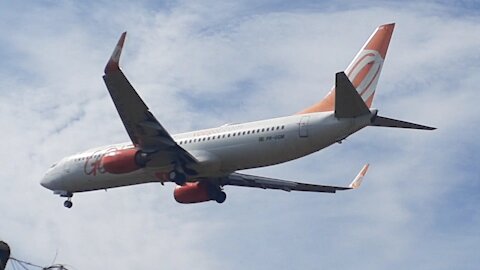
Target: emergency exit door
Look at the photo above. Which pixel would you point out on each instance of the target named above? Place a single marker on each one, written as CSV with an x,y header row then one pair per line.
x,y
303,126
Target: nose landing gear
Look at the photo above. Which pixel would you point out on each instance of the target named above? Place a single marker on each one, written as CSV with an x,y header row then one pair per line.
x,y
65,194
68,203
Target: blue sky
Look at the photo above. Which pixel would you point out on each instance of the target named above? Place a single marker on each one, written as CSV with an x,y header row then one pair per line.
x,y
204,65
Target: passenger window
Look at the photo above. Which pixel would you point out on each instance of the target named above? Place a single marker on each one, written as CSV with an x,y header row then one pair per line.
x,y
283,127
263,129
243,133
248,132
228,135
223,136
268,129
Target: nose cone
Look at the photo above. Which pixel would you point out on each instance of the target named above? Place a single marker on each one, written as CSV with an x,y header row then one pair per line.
x,y
46,182
51,177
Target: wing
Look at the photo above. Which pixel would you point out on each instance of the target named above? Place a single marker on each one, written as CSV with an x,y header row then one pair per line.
x,y
142,127
245,180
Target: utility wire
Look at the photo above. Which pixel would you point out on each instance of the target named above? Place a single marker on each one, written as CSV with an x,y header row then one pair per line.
x,y
17,262
23,263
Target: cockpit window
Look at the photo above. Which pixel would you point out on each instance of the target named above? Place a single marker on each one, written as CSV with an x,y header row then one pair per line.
x,y
53,165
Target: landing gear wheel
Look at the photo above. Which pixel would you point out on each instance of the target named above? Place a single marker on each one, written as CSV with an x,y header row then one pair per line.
x,y
221,197
178,178
68,204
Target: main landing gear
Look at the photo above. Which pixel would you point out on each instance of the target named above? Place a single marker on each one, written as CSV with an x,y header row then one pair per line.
x,y
221,197
177,177
179,173
216,193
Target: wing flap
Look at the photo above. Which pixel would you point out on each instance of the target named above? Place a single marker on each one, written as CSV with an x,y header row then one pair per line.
x,y
246,180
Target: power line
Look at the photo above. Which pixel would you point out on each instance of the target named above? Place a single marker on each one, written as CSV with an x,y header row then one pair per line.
x,y
24,264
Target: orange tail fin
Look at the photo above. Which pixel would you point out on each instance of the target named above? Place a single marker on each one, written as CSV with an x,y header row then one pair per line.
x,y
363,71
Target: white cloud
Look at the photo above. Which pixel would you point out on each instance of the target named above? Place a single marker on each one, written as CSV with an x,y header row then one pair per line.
x,y
250,62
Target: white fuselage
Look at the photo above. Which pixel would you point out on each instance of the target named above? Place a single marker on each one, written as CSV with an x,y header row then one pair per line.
x,y
220,151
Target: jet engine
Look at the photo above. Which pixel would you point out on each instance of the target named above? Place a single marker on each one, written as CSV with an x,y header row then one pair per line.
x,y
196,192
124,161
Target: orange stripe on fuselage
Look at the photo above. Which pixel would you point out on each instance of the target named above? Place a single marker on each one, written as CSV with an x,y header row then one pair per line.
x,y
327,104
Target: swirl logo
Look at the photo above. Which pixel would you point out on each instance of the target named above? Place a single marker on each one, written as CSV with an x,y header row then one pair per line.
x,y
364,73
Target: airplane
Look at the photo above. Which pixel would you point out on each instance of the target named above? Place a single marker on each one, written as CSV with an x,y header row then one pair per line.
x,y
201,163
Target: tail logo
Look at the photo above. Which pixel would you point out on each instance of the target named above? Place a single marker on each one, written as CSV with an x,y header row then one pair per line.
x,y
364,73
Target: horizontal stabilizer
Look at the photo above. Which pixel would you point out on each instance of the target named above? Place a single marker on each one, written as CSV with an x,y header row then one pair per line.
x,y
348,103
380,121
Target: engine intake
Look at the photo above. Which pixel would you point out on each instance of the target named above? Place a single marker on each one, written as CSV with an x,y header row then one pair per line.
x,y
124,161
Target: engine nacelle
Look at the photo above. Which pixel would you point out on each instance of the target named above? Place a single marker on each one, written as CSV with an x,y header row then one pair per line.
x,y
123,161
195,192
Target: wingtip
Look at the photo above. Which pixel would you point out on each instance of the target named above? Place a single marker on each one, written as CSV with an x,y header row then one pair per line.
x,y
113,62
387,25
359,178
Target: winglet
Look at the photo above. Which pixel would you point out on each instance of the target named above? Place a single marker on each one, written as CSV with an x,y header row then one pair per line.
x,y
112,64
358,180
